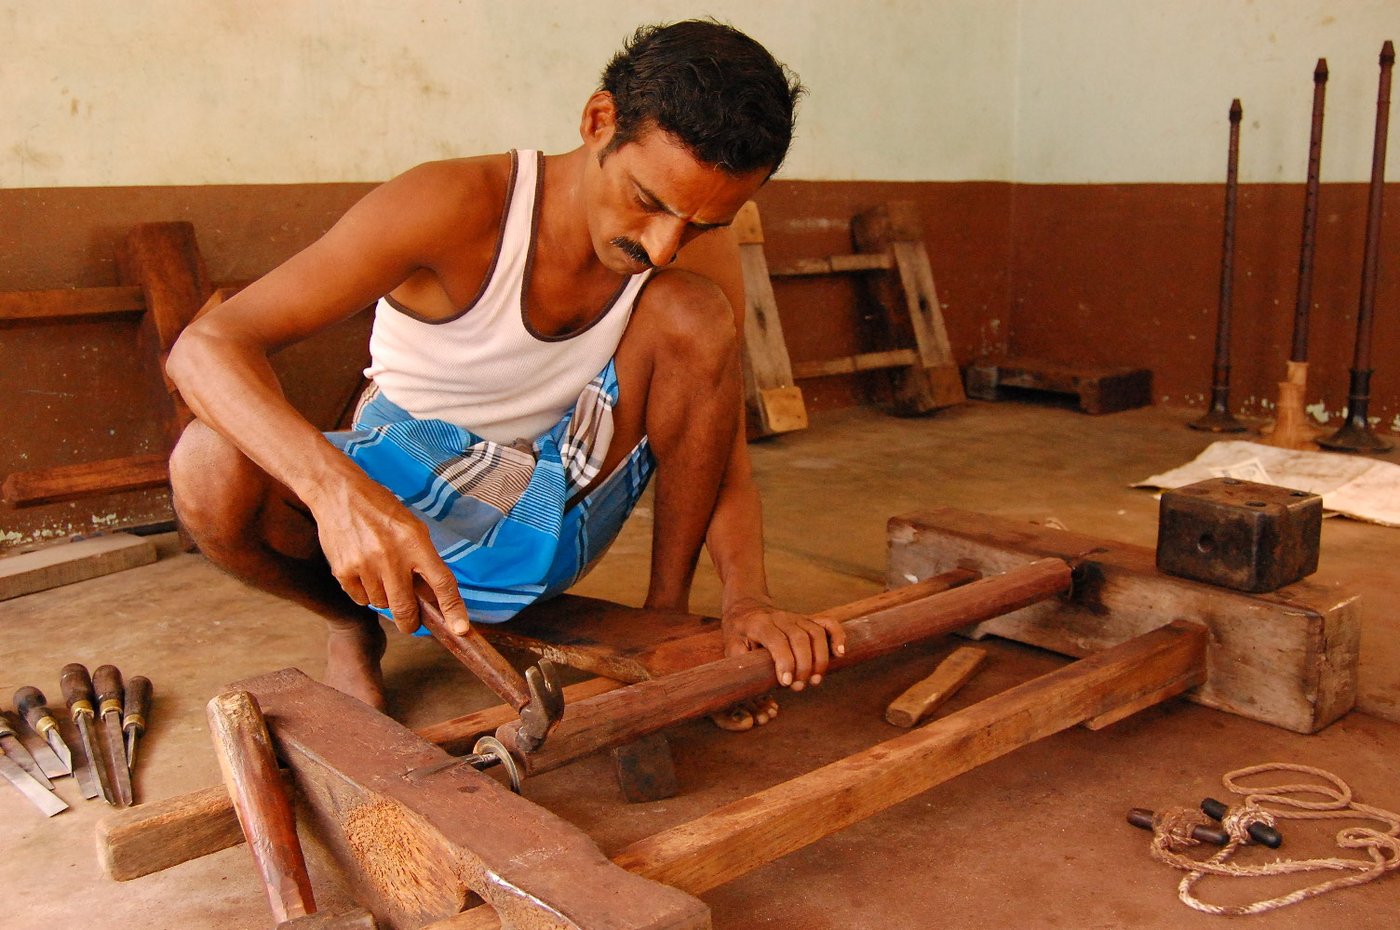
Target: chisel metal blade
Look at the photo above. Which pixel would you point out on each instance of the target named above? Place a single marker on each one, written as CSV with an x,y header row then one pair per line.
x,y
77,691
42,798
9,742
107,681
33,707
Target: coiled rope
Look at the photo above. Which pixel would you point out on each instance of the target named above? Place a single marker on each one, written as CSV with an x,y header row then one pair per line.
x,y
1172,834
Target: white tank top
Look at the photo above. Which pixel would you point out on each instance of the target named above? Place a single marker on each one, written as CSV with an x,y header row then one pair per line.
x,y
485,369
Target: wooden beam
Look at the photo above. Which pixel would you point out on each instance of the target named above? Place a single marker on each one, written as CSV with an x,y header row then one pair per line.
x,y
850,364
832,264
773,402
1288,657
73,482
159,834
739,837
622,716
416,831
71,304
71,562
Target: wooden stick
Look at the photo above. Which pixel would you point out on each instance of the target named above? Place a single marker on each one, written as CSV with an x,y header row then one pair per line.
x,y
739,837
629,713
244,748
924,697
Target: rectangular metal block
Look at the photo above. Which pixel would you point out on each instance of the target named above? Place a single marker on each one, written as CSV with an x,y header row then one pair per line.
x,y
1239,534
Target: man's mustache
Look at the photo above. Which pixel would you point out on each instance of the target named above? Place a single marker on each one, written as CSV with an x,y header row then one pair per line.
x,y
633,249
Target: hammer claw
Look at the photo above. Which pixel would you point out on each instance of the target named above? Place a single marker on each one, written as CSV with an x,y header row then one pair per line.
x,y
545,707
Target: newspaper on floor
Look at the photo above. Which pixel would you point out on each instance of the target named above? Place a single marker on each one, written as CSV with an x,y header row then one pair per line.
x,y
1356,486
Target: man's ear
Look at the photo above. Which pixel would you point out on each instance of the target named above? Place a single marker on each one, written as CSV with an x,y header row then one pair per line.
x,y
599,122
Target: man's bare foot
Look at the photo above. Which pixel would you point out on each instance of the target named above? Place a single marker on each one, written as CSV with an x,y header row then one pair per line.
x,y
745,714
353,652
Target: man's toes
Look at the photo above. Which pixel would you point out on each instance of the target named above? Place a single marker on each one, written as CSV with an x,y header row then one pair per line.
x,y
765,709
736,719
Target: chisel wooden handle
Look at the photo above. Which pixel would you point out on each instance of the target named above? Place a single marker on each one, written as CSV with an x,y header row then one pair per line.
x,y
136,704
107,682
76,685
244,748
33,706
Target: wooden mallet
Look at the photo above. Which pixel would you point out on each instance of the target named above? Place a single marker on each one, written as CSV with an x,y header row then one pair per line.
x,y
249,765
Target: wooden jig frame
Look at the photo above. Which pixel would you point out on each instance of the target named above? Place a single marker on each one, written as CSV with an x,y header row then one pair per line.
x,y
422,836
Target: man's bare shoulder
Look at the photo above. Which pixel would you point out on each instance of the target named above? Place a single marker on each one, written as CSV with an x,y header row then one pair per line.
x,y
463,195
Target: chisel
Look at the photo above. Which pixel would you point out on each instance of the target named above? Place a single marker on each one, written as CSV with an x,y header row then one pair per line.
x,y
45,800
9,742
77,691
136,706
33,707
107,681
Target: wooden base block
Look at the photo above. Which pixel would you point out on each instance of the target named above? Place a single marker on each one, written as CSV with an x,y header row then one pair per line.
x,y
783,409
645,769
67,563
1099,390
1288,657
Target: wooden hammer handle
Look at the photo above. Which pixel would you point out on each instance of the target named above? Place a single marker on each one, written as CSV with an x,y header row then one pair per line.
x,y
473,651
244,748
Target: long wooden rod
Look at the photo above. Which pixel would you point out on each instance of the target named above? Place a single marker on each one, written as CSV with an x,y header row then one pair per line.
x,y
621,716
739,837
1303,303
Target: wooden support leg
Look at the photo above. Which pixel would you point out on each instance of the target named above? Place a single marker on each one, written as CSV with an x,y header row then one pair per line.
x,y
416,831
739,837
645,769
774,402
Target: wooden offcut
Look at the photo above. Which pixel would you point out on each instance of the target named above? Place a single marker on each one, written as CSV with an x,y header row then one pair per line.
x,y
1288,657
928,694
71,562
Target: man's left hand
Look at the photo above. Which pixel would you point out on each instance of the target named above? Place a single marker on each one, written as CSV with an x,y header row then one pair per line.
x,y
801,646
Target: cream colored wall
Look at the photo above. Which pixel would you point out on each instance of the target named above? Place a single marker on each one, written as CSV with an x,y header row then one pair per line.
x,y
1041,91
1139,90
244,91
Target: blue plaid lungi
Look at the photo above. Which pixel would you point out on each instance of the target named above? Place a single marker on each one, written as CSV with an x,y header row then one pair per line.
x,y
498,513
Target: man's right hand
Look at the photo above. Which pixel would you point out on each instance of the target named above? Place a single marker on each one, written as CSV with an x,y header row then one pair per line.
x,y
376,546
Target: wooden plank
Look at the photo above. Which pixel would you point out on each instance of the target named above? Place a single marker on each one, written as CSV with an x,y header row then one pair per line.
x,y
832,264
415,832
850,364
71,304
1288,657
767,367
627,714
928,694
71,562
1098,389
738,837
73,482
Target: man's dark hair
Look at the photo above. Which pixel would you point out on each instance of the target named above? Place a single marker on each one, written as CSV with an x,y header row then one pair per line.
x,y
720,93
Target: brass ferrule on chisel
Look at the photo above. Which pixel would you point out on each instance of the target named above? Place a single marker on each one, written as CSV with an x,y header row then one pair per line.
x,y
80,708
134,720
44,725
111,706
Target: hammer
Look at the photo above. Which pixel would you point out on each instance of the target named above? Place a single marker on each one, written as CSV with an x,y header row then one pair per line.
x,y
244,748
537,695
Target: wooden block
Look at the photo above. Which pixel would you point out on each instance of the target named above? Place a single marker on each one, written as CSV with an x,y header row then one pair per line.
x,y
415,832
1098,389
70,562
926,696
1288,657
783,409
645,769
74,482
160,834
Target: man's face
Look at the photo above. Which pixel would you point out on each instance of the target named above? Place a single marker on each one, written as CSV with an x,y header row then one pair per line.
x,y
651,196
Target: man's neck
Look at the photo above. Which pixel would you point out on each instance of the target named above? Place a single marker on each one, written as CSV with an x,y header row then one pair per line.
x,y
563,228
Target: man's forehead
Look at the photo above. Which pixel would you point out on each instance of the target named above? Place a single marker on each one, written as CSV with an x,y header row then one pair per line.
x,y
668,172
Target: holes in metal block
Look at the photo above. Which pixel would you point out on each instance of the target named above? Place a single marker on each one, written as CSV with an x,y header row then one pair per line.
x,y
1206,543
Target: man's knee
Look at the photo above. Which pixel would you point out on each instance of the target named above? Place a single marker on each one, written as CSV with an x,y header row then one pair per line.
x,y
217,491
688,321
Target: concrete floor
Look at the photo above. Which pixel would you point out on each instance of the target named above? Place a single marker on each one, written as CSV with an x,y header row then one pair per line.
x,y
1034,840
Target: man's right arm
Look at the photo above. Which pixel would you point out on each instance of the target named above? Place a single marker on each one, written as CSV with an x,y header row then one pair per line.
x,y
220,364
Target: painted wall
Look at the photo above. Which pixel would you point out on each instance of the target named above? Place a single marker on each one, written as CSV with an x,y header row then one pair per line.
x,y
208,92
